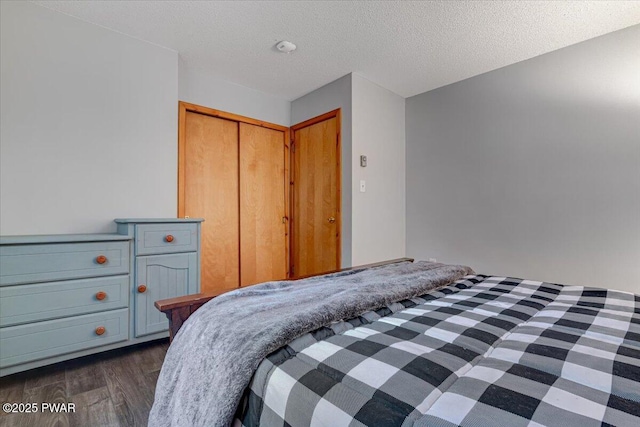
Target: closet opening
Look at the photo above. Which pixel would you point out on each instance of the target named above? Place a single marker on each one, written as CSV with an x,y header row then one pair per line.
x,y
233,171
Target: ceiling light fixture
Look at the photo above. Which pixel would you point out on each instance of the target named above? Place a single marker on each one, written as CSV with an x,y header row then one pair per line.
x,y
285,46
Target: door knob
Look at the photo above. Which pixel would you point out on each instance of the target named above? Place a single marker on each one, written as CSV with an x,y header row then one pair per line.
x,y
331,219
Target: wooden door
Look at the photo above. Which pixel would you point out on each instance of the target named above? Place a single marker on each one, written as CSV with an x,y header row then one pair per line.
x,y
209,155
263,204
316,196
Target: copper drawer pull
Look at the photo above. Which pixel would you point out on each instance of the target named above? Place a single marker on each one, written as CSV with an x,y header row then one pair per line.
x,y
101,259
100,330
101,295
142,289
168,238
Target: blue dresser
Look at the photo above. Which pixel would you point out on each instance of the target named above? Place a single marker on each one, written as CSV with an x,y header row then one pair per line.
x,y
66,296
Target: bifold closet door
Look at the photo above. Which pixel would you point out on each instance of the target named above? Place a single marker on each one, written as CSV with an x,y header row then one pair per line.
x,y
263,193
211,192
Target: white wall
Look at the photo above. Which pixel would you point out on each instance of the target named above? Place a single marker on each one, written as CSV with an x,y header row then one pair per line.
x,y
533,170
199,88
378,131
336,94
88,125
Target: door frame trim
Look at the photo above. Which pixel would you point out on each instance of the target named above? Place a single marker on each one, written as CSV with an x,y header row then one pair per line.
x,y
337,113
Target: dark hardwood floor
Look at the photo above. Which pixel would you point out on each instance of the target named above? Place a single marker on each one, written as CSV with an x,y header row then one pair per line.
x,y
114,388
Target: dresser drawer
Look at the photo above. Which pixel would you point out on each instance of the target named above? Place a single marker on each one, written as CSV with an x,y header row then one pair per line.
x,y
43,301
166,238
26,343
49,262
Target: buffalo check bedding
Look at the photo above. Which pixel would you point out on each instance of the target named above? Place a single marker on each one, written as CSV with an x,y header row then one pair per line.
x,y
482,351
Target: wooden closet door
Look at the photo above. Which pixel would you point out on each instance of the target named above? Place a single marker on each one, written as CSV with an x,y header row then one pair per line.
x,y
211,192
263,192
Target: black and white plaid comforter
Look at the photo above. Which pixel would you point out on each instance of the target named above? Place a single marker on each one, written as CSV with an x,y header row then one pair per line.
x,y
484,351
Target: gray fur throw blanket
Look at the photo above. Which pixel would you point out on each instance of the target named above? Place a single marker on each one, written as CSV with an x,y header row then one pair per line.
x,y
215,353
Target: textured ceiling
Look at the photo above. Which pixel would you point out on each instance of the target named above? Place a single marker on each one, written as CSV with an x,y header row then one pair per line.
x,y
407,47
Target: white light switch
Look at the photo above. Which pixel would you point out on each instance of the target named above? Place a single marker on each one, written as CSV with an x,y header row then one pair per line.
x,y
363,186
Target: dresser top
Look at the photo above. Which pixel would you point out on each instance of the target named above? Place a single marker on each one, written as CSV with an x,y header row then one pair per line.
x,y
156,220
61,238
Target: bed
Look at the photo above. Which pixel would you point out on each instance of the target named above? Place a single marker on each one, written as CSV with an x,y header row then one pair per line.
x,y
405,344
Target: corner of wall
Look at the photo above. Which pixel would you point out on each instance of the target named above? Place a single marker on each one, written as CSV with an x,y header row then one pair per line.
x,y
331,96
378,131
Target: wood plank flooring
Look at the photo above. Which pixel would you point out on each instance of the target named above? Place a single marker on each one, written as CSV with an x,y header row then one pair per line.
x,y
114,388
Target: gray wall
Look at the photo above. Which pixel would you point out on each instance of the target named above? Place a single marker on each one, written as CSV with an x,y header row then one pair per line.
x,y
198,87
378,231
336,94
88,124
533,170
